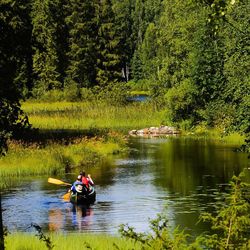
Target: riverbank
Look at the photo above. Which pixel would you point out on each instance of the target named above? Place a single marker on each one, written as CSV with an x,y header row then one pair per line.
x,y
73,136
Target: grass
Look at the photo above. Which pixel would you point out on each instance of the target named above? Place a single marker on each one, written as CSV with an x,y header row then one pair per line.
x,y
84,115
72,135
18,241
56,158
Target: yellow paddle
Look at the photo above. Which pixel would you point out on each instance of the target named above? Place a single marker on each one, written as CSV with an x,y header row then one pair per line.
x,y
58,182
66,196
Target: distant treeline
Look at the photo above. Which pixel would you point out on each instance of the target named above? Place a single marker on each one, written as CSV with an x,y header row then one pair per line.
x,y
192,56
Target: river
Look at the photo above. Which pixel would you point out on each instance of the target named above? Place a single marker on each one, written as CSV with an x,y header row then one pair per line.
x,y
177,176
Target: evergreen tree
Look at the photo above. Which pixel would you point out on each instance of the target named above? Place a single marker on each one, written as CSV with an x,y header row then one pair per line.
x,y
82,27
14,65
45,58
145,17
123,22
108,59
15,49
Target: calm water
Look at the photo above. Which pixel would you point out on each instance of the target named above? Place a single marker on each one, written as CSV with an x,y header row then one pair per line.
x,y
176,176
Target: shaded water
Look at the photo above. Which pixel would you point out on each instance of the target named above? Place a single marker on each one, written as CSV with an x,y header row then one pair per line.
x,y
177,176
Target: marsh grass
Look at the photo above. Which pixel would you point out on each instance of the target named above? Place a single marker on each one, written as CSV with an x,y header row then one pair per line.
x,y
71,135
85,115
55,158
24,241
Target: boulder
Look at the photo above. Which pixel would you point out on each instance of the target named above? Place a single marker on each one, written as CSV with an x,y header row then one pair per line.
x,y
155,131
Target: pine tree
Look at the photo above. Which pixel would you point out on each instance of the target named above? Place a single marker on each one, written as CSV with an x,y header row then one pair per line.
x,y
108,62
45,58
15,49
81,23
123,21
14,63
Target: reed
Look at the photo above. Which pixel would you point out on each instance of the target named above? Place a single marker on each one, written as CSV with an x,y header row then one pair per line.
x,y
69,241
55,158
77,116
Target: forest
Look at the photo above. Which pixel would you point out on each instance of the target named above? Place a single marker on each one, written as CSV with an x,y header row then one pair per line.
x,y
191,57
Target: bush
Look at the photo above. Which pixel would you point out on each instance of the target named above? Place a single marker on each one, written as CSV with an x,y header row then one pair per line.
x,y
180,101
113,94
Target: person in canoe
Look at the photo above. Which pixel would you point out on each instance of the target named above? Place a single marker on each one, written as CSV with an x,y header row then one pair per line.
x,y
87,181
77,185
82,190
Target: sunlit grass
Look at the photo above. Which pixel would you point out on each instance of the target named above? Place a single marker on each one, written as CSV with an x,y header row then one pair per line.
x,y
55,158
77,116
70,241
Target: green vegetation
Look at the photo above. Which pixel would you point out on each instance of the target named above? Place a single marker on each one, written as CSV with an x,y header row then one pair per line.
x,y
54,158
69,241
85,115
191,56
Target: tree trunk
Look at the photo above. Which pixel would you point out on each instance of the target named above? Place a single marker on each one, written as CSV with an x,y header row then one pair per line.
x,y
1,226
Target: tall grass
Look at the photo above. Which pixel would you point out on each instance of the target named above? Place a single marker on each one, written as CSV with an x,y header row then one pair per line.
x,y
77,116
55,158
61,146
70,241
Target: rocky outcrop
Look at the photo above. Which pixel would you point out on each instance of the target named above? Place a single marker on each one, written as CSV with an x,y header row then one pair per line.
x,y
155,131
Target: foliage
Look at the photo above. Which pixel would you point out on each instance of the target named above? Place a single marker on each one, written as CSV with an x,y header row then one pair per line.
x,y
160,238
12,122
108,63
232,221
195,53
82,25
180,101
43,237
14,67
15,49
45,57
113,94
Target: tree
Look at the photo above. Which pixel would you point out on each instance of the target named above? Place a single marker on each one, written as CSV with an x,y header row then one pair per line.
x,y
15,49
108,59
81,23
145,16
15,65
232,221
237,63
1,225
45,58
123,24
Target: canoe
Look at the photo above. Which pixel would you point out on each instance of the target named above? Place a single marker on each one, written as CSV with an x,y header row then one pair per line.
x,y
85,197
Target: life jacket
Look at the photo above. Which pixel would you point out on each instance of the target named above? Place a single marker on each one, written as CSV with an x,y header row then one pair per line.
x,y
85,181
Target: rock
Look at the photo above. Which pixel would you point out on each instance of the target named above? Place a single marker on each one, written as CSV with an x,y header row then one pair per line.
x,y
155,131
133,132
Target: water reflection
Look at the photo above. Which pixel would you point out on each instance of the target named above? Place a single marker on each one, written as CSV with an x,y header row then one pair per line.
x,y
177,176
80,218
184,164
